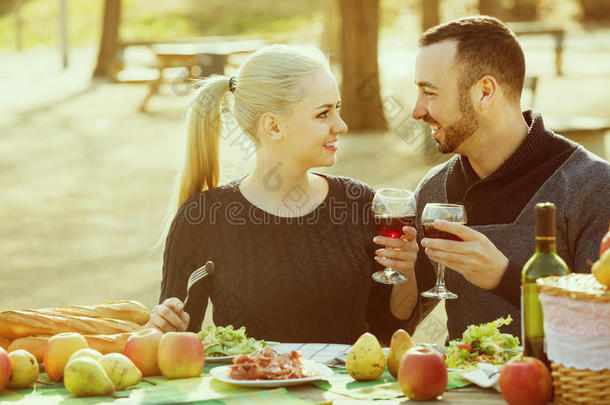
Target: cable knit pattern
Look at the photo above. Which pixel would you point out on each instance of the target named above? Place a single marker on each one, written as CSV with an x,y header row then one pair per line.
x,y
305,279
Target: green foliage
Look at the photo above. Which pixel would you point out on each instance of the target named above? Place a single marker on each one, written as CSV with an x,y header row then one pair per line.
x,y
157,20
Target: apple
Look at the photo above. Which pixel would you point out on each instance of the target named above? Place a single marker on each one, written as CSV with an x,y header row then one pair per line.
x,y
5,368
422,374
141,348
180,355
525,380
58,350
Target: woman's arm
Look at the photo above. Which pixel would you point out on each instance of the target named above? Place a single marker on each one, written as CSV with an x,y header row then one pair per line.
x,y
401,254
186,249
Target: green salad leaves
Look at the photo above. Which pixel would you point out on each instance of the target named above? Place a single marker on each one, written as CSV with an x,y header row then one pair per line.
x,y
483,343
225,341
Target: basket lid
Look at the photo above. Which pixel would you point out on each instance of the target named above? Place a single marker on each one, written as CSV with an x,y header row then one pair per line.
x,y
576,286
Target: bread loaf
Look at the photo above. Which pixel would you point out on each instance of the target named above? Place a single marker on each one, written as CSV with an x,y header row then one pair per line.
x,y
16,324
102,343
132,311
4,343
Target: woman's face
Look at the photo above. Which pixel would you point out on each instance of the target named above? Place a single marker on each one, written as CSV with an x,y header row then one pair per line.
x,y
309,136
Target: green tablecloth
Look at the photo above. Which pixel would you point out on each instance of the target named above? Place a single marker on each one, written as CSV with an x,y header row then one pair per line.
x,y
385,387
207,390
156,390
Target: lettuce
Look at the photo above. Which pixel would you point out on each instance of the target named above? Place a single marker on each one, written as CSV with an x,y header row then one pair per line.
x,y
226,341
488,345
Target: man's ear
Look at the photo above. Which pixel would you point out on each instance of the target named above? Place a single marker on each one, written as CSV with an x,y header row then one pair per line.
x,y
270,126
488,87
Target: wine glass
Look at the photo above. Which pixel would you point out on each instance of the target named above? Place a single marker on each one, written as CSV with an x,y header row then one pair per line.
x,y
446,212
392,209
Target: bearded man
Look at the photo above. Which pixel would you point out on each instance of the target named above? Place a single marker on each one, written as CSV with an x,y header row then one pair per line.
x,y
470,74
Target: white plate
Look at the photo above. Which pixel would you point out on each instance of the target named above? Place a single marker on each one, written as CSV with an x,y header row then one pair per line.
x,y
221,359
221,373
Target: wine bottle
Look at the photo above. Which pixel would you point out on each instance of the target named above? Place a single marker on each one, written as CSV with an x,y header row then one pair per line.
x,y
544,263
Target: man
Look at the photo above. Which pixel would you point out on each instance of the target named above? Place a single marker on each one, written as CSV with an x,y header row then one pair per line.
x,y
470,74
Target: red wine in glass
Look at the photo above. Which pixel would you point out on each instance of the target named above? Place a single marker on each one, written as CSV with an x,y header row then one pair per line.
x,y
391,227
430,231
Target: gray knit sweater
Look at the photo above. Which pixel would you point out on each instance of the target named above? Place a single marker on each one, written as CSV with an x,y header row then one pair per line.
x,y
579,186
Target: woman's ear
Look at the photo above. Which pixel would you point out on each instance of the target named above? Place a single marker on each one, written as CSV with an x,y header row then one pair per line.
x,y
270,126
488,86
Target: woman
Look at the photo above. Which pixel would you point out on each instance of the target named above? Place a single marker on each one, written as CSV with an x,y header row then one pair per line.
x,y
293,249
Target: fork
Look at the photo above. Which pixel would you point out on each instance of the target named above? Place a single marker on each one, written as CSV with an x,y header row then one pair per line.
x,y
197,276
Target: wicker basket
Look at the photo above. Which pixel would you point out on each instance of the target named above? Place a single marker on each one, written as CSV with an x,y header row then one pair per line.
x,y
572,386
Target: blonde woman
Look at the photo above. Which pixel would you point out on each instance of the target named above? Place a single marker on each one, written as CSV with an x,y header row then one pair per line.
x,y
293,249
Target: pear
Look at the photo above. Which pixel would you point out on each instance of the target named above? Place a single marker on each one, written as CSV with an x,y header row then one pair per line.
x,y
400,343
84,377
87,352
24,369
122,372
365,360
601,269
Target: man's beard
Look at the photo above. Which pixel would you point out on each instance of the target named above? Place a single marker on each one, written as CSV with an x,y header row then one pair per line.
x,y
462,129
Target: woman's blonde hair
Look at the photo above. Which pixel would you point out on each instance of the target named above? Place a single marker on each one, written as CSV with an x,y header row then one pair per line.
x,y
272,79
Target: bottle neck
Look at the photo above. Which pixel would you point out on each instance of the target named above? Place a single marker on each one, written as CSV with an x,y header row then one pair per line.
x,y
545,244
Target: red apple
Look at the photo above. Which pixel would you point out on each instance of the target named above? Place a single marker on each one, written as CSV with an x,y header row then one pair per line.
x,y
5,368
605,244
58,350
141,348
422,374
180,355
525,381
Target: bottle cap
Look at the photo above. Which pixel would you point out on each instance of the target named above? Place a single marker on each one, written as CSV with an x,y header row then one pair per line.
x,y
545,221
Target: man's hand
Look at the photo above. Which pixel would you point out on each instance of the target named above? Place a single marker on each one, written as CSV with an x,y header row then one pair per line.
x,y
169,316
476,258
399,253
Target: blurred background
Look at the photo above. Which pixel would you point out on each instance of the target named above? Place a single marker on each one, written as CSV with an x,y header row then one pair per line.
x,y
93,95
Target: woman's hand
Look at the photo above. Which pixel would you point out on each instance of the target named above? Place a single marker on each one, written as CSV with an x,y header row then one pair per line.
x,y
169,316
399,253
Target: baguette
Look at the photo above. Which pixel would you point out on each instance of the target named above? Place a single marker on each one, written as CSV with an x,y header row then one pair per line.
x,y
4,343
102,343
132,311
16,324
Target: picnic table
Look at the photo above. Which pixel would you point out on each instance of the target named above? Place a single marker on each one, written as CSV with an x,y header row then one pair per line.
x,y
339,389
530,28
199,59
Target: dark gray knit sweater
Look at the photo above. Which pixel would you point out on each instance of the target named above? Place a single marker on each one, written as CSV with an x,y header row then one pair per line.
x,y
546,167
305,279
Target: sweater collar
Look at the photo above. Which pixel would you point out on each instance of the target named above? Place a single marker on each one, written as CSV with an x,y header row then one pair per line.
x,y
537,136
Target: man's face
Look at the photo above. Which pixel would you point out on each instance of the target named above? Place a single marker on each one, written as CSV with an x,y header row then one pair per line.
x,y
446,108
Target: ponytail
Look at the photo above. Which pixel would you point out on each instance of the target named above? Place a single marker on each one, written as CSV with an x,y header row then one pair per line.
x,y
201,167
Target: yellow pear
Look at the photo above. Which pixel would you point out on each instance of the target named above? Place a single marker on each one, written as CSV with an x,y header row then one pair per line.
x,y
84,377
24,369
365,360
87,352
601,269
122,372
400,343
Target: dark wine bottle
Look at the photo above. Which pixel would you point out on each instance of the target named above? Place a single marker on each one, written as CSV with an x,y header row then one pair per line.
x,y
544,263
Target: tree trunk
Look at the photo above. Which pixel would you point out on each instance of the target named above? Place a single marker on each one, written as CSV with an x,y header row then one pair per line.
x,y
110,38
430,14
360,90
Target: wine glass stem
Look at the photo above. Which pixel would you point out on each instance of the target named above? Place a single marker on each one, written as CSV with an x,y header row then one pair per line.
x,y
440,275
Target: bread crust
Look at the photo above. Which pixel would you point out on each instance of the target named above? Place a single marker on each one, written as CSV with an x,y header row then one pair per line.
x,y
16,324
